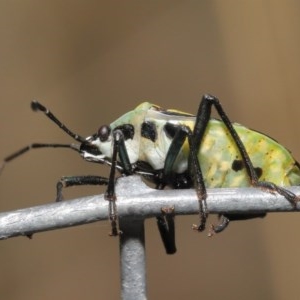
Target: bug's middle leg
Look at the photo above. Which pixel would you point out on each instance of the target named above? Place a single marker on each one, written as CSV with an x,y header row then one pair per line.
x,y
194,168
191,178
165,222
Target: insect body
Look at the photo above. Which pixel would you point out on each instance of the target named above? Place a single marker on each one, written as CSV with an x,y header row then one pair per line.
x,y
220,160
180,150
222,164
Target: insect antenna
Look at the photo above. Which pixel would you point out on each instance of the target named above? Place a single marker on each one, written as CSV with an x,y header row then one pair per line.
x,y
36,106
35,146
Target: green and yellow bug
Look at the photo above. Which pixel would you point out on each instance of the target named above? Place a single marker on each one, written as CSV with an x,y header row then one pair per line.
x,y
180,150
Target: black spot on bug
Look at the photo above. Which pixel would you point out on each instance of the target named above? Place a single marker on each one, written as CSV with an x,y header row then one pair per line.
x,y
170,130
258,171
237,165
148,131
127,130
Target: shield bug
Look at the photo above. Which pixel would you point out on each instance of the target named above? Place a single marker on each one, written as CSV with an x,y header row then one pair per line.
x,y
180,150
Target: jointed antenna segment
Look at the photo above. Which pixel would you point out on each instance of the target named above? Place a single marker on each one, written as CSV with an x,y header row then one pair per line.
x,y
35,105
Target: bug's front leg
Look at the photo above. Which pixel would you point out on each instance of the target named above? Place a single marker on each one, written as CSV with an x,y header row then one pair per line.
x,y
68,181
119,149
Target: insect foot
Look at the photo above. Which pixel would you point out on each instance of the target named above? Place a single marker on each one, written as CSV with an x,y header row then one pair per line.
x,y
114,226
273,188
113,218
219,227
203,214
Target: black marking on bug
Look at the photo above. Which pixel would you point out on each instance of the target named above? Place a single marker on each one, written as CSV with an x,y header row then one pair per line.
x,y
170,130
237,165
127,130
258,171
148,131
92,149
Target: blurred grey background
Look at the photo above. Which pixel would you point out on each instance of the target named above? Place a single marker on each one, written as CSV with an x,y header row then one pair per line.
x,y
90,62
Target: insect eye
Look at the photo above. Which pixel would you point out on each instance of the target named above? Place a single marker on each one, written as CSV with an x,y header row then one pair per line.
x,y
103,133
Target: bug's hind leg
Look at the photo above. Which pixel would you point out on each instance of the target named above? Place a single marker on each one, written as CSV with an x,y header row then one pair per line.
x,y
273,188
226,218
264,185
202,119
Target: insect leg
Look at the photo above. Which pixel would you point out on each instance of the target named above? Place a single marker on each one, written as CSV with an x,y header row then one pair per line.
x,y
203,114
168,177
36,146
165,222
67,181
194,168
119,148
226,218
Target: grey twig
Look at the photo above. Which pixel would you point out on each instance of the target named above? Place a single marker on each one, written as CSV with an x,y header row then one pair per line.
x,y
137,201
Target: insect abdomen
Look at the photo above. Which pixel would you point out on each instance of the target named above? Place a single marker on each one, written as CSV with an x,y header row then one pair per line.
x,y
222,165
